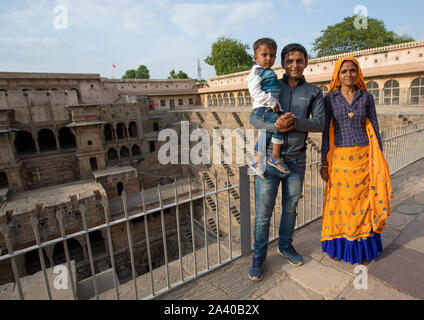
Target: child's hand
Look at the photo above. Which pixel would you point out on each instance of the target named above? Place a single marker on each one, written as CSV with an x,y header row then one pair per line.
x,y
276,109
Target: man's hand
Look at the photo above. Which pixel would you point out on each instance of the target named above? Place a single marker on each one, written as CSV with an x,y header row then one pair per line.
x,y
285,122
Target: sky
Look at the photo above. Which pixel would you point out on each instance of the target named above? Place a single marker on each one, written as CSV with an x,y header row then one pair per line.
x,y
90,36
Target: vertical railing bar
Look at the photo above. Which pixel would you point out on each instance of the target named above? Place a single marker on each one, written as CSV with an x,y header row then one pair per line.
x,y
218,244
229,217
165,249
177,212
5,231
310,185
193,241
245,216
130,242
204,223
146,230
90,254
105,205
317,182
34,222
59,217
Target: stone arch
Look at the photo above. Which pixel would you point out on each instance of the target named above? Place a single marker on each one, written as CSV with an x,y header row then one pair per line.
x,y
75,249
240,99
125,153
78,95
119,188
4,183
24,143
109,132
121,131
226,100
93,163
46,140
135,150
248,99
374,89
97,242
220,101
66,138
232,100
152,146
391,93
32,261
417,91
133,129
112,154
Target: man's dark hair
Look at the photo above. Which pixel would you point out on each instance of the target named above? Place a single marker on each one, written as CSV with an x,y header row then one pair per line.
x,y
270,43
293,47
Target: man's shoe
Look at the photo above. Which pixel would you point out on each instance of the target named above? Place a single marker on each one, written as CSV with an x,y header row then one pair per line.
x,y
256,271
291,255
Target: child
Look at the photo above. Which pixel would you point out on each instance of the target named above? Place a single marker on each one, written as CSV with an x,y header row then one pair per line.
x,y
265,91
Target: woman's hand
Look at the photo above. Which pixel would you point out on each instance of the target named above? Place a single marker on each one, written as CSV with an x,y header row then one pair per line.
x,y
324,172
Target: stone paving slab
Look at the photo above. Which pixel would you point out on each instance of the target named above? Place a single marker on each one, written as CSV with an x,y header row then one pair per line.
x,y
320,279
412,236
402,268
288,289
376,290
399,221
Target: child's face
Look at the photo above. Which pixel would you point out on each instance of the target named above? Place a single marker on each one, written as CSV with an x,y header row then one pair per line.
x,y
264,56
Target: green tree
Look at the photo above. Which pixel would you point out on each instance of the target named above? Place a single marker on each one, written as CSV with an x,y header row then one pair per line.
x,y
141,73
344,37
179,75
229,56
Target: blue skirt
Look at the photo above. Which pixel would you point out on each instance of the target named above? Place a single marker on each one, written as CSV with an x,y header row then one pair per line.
x,y
354,251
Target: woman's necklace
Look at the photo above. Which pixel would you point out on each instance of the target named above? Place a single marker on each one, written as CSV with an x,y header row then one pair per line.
x,y
350,114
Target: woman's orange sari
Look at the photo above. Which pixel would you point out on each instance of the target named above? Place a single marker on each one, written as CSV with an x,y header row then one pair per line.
x,y
356,198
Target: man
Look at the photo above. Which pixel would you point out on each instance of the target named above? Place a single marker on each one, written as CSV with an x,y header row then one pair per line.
x,y
301,99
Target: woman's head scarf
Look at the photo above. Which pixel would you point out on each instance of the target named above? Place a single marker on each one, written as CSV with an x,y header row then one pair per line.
x,y
335,82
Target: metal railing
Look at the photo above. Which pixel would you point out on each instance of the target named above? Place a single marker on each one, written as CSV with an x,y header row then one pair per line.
x,y
198,255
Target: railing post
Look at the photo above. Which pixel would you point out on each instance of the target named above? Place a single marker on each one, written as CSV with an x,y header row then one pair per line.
x,y
245,228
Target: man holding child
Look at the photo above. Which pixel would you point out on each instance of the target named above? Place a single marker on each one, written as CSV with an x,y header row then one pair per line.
x,y
285,115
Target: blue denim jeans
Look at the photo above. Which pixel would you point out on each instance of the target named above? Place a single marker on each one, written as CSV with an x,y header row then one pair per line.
x,y
268,116
266,193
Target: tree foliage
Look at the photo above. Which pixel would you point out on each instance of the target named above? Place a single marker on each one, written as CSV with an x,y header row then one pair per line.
x,y
141,73
179,75
229,56
344,37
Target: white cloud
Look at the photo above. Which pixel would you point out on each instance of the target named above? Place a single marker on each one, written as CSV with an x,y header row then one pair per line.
x,y
124,15
25,41
405,29
214,20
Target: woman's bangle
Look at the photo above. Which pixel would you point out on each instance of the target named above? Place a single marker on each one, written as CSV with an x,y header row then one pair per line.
x,y
324,166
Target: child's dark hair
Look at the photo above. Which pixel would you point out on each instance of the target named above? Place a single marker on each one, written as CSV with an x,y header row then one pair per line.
x,y
293,47
270,43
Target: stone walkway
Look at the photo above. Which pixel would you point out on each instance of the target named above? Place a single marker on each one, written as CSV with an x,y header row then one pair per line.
x,y
396,275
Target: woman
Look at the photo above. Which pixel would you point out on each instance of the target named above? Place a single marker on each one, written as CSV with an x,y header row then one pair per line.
x,y
358,186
